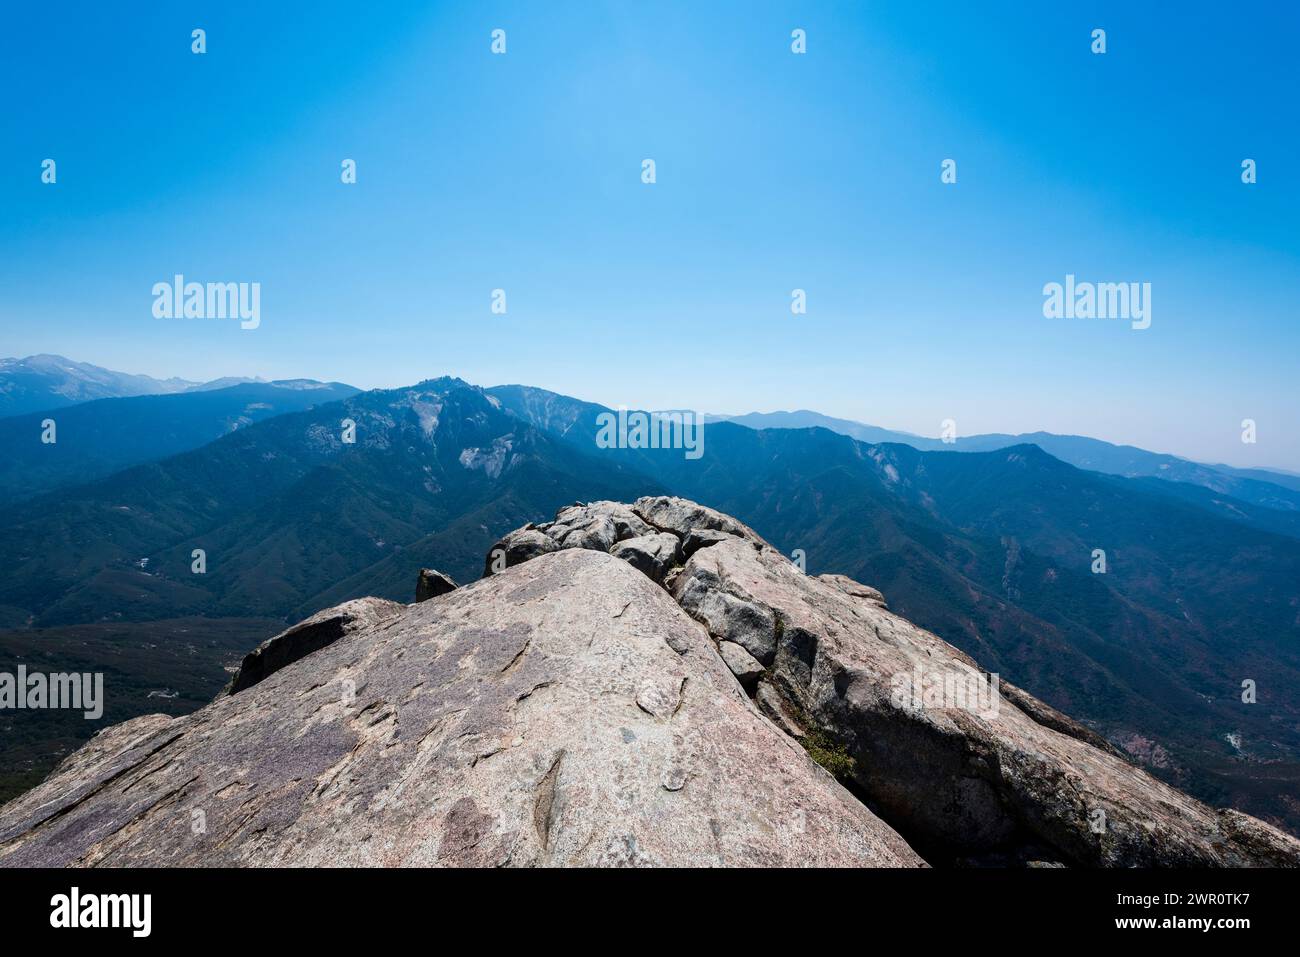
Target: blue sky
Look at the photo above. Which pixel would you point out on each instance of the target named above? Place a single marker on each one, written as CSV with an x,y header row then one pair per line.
x,y
775,172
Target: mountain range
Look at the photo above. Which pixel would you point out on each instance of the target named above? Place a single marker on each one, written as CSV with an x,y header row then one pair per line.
x,y
46,382
99,437
50,382
993,551
1270,488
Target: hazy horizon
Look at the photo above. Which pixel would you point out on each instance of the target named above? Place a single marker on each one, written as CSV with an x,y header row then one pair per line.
x,y
775,171
657,407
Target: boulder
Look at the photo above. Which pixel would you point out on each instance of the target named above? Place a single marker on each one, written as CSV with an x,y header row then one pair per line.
x,y
741,663
680,516
597,525
320,630
726,609
517,547
432,583
651,555
698,538
654,534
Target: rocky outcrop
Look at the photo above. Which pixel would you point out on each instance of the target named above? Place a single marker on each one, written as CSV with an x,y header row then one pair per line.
x,y
682,517
432,583
654,534
967,770
969,767
610,695
563,712
319,631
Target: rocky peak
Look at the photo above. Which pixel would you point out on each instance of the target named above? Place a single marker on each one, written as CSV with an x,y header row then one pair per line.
x,y
969,767
643,684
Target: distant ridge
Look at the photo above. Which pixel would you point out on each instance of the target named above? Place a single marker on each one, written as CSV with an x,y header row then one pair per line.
x,y
49,382
42,382
1269,488
103,436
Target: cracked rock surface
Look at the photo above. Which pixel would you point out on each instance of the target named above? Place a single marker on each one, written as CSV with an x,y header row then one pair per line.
x,y
564,712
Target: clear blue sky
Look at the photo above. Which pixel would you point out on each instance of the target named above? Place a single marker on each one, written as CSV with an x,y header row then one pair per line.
x,y
775,171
